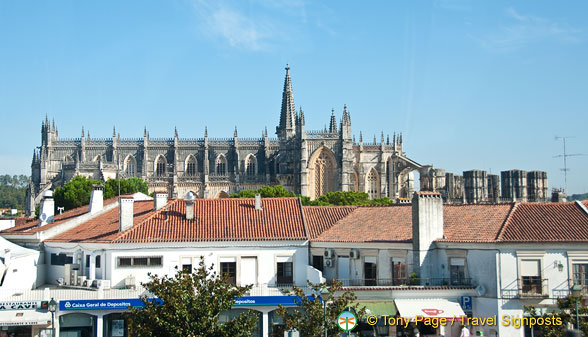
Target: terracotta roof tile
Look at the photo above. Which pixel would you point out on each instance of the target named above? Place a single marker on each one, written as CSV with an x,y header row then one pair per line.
x,y
30,227
546,222
372,224
474,223
320,218
214,220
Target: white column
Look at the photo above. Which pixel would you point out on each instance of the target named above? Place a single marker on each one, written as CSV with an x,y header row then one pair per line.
x,y
92,266
99,325
265,323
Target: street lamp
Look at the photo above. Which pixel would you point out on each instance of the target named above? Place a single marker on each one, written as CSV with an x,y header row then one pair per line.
x,y
322,293
576,292
52,307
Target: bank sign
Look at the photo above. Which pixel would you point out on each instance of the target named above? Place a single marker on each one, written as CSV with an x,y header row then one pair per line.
x,y
23,305
116,304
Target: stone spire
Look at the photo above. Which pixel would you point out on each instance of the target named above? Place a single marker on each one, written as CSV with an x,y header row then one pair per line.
x,y
333,123
301,116
113,132
287,128
82,132
175,132
235,132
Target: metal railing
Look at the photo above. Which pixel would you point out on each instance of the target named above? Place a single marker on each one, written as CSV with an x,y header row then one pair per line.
x,y
533,286
425,282
42,294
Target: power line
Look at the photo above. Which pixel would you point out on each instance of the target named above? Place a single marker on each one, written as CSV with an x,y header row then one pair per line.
x,y
565,156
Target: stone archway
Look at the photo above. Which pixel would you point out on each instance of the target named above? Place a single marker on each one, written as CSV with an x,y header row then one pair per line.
x,y
323,168
221,195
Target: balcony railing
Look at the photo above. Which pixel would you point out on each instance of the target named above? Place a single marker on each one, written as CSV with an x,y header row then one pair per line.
x,y
533,286
426,282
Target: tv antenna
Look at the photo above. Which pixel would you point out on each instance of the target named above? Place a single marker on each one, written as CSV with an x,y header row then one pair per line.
x,y
565,156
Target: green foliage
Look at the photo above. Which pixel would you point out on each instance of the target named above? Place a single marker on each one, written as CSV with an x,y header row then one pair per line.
x,y
192,303
12,191
583,196
567,314
338,198
309,320
77,191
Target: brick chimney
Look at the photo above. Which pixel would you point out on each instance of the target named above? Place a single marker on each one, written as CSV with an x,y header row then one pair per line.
x,y
126,213
160,200
96,199
189,200
427,226
47,208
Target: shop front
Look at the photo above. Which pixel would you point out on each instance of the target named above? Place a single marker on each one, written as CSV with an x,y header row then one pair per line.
x,y
24,319
429,317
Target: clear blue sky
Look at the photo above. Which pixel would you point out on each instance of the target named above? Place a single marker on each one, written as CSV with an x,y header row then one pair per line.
x,y
470,84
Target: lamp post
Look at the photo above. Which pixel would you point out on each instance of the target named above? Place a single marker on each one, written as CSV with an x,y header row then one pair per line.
x,y
576,292
321,293
52,307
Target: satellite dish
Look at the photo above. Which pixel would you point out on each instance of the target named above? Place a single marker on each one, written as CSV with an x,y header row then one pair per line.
x,y
43,217
481,290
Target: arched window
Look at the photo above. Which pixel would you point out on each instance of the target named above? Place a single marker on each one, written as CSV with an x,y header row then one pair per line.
x,y
323,169
160,164
373,184
354,181
251,165
130,166
191,166
221,165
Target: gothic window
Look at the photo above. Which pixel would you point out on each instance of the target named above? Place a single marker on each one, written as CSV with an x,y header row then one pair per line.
x,y
68,159
221,165
130,166
373,184
160,166
191,166
323,173
250,165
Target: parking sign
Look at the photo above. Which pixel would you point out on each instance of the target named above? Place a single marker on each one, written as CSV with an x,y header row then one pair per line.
x,y
466,303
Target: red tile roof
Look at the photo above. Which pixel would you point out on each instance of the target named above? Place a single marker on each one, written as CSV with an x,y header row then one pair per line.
x,y
30,226
548,222
474,223
214,220
372,224
320,218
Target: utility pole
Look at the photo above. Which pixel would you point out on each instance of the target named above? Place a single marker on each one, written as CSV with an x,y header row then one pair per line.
x,y
565,156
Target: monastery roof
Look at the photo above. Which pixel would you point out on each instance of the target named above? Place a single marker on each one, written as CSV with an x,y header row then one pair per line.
x,y
214,220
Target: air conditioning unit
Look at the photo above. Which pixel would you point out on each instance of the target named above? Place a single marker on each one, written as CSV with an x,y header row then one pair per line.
x,y
130,282
81,280
329,253
354,254
103,284
70,274
329,263
88,283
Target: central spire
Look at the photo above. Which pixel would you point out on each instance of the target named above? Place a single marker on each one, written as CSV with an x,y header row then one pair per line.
x,y
287,128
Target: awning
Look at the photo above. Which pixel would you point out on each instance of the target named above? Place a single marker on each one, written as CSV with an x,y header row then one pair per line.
x,y
432,308
25,317
378,308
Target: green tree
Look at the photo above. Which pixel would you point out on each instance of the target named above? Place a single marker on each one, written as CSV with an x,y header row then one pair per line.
x,y
13,190
192,303
277,191
309,319
567,314
77,191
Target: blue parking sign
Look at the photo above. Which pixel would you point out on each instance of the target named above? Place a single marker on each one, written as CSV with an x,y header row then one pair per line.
x,y
466,303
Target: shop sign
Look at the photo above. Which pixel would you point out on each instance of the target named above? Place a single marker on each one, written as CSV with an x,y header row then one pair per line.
x,y
23,305
256,301
109,304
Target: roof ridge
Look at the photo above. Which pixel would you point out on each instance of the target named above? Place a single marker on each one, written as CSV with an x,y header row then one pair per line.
x,y
133,228
506,221
581,205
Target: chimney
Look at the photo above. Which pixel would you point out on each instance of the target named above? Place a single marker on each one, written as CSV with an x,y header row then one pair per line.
x,y
96,199
258,202
427,226
189,200
47,208
160,200
125,211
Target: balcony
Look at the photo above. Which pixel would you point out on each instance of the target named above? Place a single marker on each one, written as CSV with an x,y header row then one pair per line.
x,y
532,287
404,282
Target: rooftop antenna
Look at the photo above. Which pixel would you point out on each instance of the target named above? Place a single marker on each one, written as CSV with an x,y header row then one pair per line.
x,y
565,156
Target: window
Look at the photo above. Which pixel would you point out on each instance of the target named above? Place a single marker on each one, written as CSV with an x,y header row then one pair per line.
x,y
457,270
229,269
138,261
250,166
187,264
97,261
87,261
221,165
531,277
61,259
399,272
373,183
318,262
580,275
130,165
284,270
191,166
160,166
370,274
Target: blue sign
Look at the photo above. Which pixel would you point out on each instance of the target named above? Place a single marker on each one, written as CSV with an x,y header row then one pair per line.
x,y
109,304
256,301
466,303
